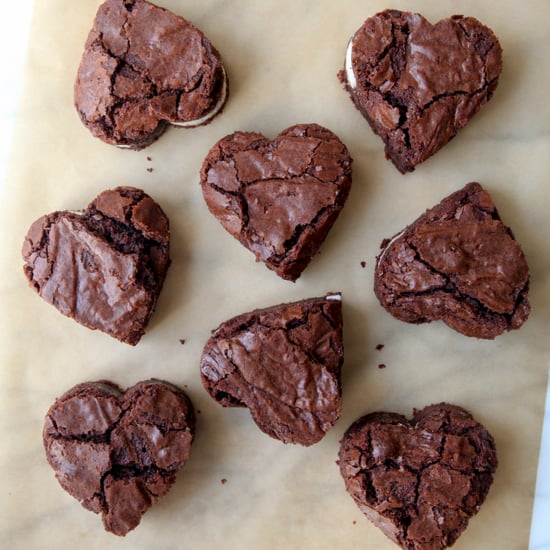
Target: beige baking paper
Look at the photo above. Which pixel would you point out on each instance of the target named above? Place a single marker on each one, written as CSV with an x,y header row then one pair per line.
x,y
282,57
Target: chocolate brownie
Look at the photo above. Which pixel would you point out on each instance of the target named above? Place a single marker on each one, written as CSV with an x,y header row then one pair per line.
x,y
103,267
417,84
142,68
419,481
459,263
278,198
118,452
283,363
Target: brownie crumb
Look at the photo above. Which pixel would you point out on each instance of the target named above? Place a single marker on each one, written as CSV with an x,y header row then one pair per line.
x,y
182,341
381,366
378,346
363,264
149,159
223,481
149,170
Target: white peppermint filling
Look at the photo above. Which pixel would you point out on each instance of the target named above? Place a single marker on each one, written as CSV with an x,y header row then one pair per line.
x,y
350,75
335,297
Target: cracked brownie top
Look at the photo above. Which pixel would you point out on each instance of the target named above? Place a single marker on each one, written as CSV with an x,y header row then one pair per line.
x,y
278,197
459,263
416,83
419,481
283,363
117,452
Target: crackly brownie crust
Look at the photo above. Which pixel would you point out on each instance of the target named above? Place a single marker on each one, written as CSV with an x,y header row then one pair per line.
x,y
417,84
278,198
419,481
103,267
118,452
143,67
458,263
284,364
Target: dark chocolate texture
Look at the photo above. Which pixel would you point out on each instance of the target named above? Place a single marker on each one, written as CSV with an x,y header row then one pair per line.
x,y
418,84
118,452
284,364
103,267
458,263
419,481
278,198
143,67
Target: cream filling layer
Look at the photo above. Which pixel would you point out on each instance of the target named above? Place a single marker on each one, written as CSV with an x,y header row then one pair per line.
x,y
350,75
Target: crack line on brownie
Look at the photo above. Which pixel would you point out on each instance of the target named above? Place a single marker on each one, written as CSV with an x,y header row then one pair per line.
x,y
306,321
403,513
116,470
122,60
394,99
295,344
450,288
300,228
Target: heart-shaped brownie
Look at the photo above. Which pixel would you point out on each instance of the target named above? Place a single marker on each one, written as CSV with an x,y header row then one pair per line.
x,y
118,452
283,363
459,263
278,198
417,84
103,267
419,481
143,67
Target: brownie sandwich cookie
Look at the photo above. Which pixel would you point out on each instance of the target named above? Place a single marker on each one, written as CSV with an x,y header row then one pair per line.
x,y
420,480
144,67
284,364
104,266
418,84
278,197
117,452
457,263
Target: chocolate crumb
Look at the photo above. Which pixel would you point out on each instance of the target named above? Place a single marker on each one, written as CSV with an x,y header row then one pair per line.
x,y
223,481
363,264
182,341
378,347
381,366
149,170
149,159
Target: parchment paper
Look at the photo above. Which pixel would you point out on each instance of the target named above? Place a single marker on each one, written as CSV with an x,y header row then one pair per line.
x,y
282,57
